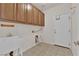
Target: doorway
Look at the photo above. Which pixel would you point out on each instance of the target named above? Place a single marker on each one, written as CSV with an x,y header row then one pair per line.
x,y
62,30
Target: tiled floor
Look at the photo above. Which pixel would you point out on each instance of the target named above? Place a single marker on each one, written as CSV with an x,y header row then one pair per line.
x,y
44,49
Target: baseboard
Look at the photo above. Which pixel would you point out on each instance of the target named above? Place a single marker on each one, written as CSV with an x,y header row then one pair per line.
x,y
61,46
57,45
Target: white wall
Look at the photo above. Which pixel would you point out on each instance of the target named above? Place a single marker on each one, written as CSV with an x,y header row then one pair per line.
x,y
75,28
23,31
48,32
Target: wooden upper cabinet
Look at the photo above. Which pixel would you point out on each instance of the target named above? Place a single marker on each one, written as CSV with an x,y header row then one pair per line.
x,y
20,12
8,11
29,14
41,19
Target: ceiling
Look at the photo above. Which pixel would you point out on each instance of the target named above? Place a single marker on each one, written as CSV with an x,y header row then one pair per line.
x,y
45,6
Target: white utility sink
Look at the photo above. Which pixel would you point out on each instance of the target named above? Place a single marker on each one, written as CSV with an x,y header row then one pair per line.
x,y
8,44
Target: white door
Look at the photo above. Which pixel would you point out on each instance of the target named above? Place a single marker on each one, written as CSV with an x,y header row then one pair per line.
x,y
62,30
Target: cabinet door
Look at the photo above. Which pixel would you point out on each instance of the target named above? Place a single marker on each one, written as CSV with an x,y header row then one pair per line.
x,y
36,16
41,19
20,12
29,14
0,10
7,11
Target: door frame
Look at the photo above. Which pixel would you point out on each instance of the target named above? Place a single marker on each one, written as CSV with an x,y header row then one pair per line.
x,y
70,21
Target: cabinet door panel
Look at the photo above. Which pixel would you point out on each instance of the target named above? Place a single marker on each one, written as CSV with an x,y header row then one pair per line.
x,y
7,11
41,19
36,16
0,10
20,12
29,14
